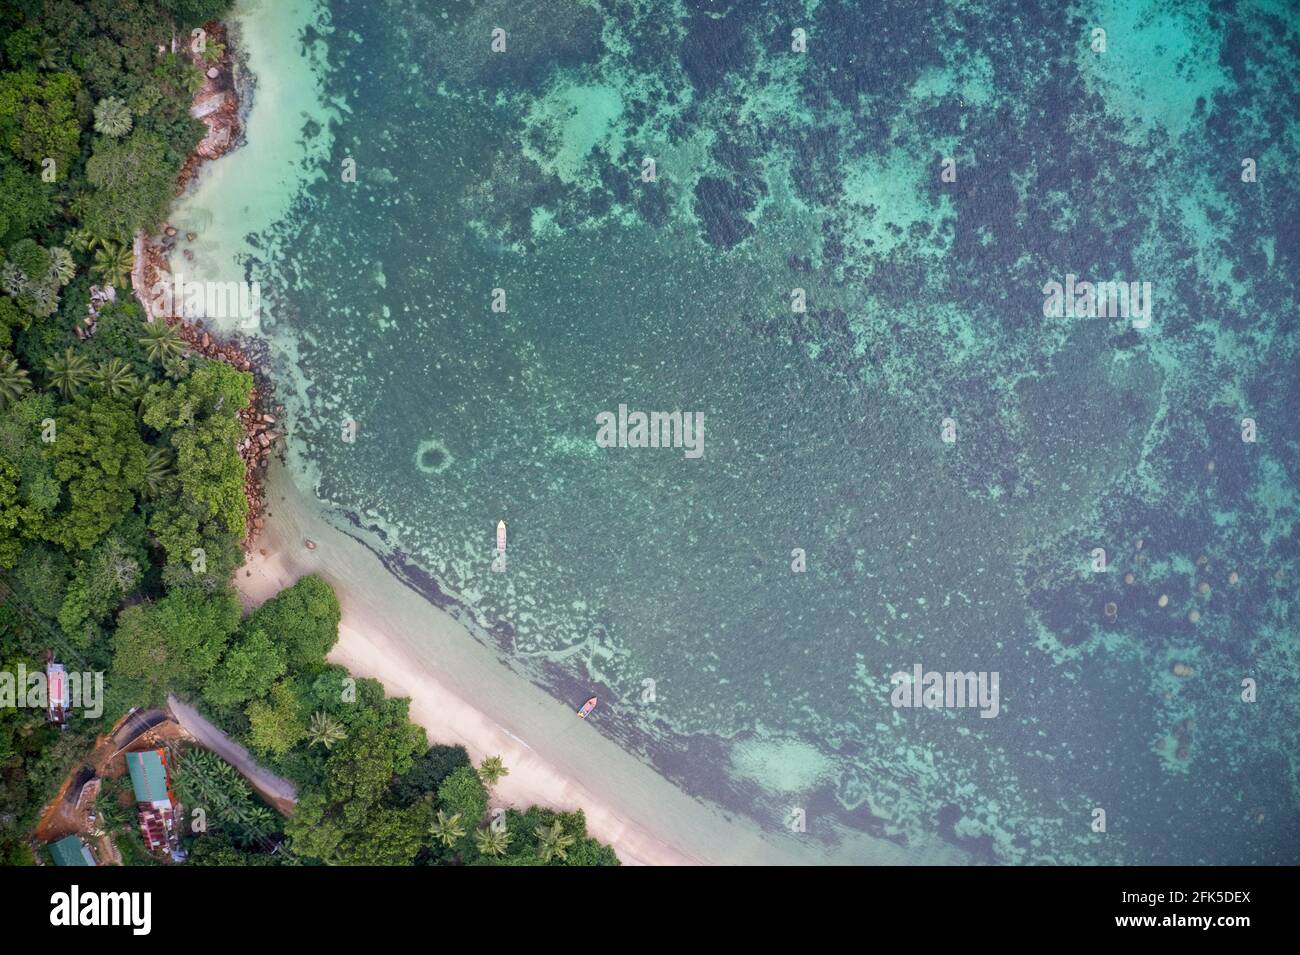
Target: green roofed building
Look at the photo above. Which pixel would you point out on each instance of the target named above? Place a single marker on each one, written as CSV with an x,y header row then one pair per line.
x,y
70,850
148,771
149,778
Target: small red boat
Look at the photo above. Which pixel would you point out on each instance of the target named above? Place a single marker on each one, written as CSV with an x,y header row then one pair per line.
x,y
587,708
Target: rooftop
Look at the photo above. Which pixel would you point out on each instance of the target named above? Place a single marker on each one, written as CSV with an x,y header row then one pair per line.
x,y
148,776
70,850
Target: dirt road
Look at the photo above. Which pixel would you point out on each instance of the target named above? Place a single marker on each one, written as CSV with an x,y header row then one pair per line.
x,y
276,790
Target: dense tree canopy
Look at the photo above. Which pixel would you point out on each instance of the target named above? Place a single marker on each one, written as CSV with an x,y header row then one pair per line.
x,y
100,457
196,419
82,478
172,643
122,501
335,822
303,620
24,203
38,117
249,669
133,184
277,723
11,514
102,578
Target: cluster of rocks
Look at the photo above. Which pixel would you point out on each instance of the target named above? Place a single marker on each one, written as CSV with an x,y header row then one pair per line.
x,y
256,447
150,266
201,342
216,104
170,238
99,297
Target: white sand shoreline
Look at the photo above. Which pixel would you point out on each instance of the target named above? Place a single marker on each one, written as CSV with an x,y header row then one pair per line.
x,y
368,649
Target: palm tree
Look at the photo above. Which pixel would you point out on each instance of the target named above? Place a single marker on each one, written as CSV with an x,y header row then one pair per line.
x,y
68,372
326,730
139,388
83,240
162,343
112,118
157,469
50,55
79,207
61,265
555,843
13,279
204,778
114,376
448,831
492,841
14,382
176,368
192,80
112,817
253,823
40,300
491,770
113,263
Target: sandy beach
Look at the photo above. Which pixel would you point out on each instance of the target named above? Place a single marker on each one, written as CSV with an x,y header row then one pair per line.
x,y
368,649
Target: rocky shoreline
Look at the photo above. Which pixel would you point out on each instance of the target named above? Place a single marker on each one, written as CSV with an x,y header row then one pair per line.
x,y
261,437
218,105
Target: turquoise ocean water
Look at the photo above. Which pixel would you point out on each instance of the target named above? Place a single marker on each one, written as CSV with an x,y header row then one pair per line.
x,y
919,171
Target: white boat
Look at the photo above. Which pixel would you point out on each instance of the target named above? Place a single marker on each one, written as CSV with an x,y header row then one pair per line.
x,y
501,537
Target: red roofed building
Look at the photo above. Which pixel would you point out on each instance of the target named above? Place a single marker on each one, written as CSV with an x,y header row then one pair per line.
x,y
56,680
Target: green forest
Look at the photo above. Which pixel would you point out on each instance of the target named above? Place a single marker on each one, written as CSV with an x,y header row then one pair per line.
x,y
122,504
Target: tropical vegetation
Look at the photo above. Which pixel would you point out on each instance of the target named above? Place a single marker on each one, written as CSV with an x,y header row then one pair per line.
x,y
123,510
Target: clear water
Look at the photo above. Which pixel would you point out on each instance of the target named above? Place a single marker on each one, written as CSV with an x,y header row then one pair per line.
x,y
776,170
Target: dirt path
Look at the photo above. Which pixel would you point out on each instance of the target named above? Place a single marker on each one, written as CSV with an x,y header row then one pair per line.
x,y
276,790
